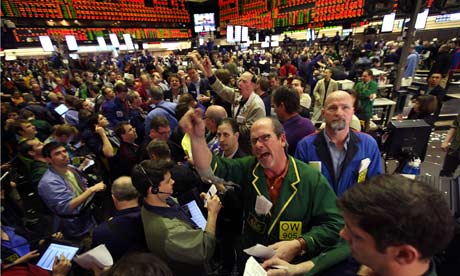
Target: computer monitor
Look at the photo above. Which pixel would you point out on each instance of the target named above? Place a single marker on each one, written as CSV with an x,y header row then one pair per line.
x,y
407,137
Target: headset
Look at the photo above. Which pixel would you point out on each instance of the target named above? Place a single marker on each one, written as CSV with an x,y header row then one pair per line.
x,y
155,189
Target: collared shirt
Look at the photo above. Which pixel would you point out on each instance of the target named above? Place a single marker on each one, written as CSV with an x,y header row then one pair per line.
x,y
173,211
337,156
274,184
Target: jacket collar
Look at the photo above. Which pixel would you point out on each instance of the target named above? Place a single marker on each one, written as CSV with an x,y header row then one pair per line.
x,y
288,188
322,150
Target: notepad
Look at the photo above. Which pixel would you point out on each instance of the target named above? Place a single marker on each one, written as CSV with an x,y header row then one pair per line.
x,y
196,214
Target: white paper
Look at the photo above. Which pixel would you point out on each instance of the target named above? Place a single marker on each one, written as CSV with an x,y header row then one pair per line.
x,y
211,192
260,251
99,256
263,205
253,268
364,164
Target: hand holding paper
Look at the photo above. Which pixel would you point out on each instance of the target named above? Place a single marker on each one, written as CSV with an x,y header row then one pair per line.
x,y
98,256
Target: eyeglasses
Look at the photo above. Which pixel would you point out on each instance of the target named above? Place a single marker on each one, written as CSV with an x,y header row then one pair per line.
x,y
262,138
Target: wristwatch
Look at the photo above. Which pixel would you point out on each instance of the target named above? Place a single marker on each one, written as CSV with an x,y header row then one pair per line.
x,y
303,245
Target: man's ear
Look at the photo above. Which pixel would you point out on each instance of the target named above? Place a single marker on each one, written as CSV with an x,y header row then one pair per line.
x,y
404,254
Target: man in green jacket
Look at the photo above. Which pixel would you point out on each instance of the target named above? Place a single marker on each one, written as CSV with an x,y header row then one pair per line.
x,y
303,219
367,91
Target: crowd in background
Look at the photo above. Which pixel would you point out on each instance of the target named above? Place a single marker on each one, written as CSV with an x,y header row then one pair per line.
x,y
116,107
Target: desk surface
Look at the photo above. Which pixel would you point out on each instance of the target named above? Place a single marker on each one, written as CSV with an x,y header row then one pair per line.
x,y
384,86
383,102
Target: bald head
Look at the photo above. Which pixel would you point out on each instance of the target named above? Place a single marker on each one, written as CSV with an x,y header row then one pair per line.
x,y
339,94
214,114
337,111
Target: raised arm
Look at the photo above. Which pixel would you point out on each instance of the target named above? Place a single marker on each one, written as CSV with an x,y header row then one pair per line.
x,y
192,123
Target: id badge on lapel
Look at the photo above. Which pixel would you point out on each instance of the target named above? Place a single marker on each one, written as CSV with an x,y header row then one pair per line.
x,y
290,230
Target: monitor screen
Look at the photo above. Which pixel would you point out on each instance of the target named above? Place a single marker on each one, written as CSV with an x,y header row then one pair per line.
x,y
204,22
244,34
71,43
114,40
102,43
230,37
311,34
46,43
388,22
346,32
237,33
421,19
128,41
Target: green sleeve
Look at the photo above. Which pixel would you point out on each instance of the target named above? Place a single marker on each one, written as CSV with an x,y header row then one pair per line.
x,y
193,246
236,170
329,258
326,219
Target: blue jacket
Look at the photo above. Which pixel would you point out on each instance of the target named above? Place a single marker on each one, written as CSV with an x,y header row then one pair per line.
x,y
57,194
361,146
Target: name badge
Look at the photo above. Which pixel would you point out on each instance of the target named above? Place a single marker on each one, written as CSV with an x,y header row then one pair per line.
x,y
316,165
240,119
256,224
290,230
119,114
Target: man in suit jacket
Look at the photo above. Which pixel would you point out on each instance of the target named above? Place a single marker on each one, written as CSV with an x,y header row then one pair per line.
x,y
199,87
228,134
322,89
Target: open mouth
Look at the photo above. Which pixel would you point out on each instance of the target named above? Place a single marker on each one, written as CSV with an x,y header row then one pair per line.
x,y
264,155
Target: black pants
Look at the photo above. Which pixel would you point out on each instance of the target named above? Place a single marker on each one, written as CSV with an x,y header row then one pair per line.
x,y
451,162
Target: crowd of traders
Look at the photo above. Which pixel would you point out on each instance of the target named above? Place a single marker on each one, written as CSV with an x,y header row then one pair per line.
x,y
140,126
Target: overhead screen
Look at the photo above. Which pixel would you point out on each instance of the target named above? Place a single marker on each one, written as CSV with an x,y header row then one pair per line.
x,y
71,43
230,36
128,41
46,43
388,22
114,40
237,33
244,34
204,22
421,19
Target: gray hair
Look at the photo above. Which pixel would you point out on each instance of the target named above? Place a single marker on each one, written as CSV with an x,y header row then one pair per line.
x,y
123,189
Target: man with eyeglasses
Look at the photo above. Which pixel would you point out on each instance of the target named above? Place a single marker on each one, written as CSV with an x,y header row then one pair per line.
x,y
160,130
303,219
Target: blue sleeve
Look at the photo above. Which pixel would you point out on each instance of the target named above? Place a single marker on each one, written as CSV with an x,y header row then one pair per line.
x,y
301,151
375,168
147,124
57,196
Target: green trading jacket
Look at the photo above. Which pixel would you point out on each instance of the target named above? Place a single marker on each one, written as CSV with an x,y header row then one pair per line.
x,y
306,204
365,90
